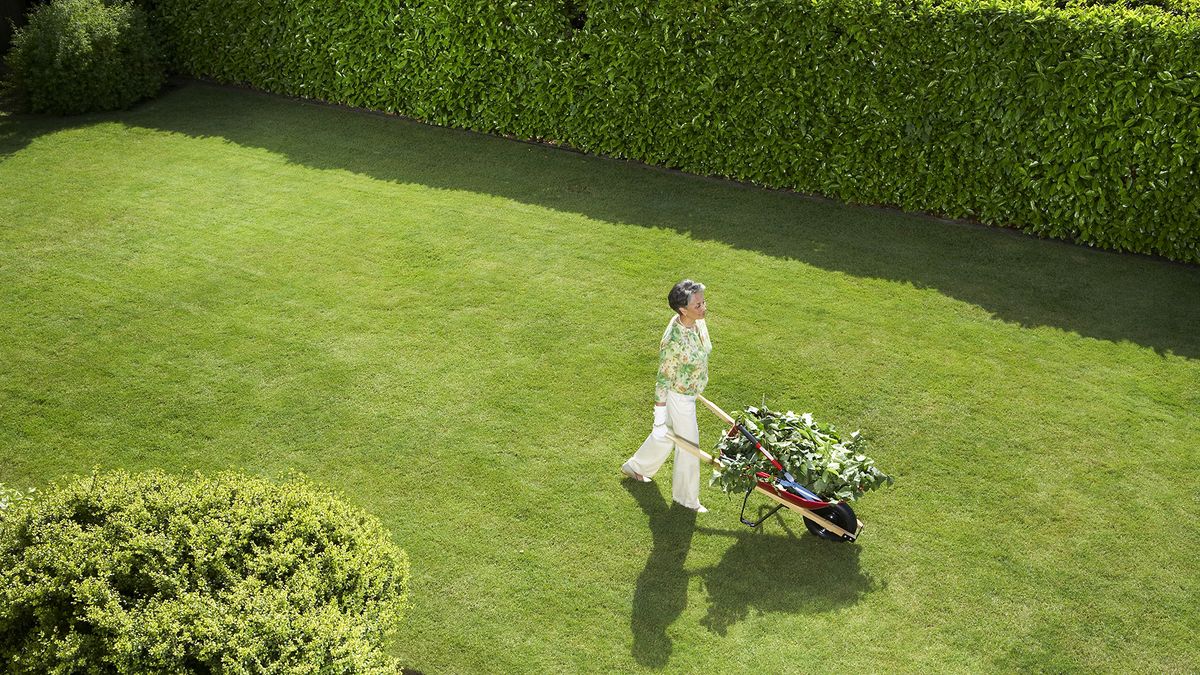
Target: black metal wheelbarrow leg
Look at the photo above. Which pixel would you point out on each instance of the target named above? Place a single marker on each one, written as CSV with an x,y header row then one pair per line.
x,y
760,521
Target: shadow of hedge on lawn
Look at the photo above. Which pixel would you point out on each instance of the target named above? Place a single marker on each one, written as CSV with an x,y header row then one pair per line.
x,y
1017,278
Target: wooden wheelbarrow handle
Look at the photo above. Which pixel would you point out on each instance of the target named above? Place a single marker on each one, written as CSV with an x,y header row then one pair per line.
x,y
717,410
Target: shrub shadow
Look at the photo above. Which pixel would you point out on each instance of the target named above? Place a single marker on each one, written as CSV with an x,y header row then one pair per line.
x,y
18,130
1116,297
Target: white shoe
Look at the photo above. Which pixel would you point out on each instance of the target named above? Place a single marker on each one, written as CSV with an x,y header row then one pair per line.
x,y
700,509
628,471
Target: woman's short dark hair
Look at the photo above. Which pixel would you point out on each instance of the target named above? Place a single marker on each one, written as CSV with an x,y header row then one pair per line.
x,y
682,293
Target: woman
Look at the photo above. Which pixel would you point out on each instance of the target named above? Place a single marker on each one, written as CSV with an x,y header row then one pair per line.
x,y
682,373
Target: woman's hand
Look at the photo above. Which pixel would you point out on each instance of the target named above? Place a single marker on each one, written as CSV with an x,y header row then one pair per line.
x,y
659,432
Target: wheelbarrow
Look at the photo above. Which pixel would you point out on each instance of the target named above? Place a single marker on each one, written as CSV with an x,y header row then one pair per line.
x,y
834,521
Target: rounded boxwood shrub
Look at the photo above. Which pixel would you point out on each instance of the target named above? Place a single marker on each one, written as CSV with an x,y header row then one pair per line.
x,y
150,573
78,56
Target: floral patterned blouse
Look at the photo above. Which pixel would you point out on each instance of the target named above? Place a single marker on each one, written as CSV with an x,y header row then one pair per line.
x,y
682,360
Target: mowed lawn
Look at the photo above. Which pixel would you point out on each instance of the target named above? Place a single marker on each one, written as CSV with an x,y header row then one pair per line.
x,y
459,333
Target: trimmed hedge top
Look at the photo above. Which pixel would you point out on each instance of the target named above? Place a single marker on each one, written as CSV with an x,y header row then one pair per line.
x,y
1079,123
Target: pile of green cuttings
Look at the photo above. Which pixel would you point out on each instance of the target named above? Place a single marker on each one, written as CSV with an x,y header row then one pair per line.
x,y
816,455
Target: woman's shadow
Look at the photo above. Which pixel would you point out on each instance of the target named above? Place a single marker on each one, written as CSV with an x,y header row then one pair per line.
x,y
764,572
661,592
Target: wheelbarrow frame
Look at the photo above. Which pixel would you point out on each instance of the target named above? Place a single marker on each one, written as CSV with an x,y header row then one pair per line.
x,y
784,499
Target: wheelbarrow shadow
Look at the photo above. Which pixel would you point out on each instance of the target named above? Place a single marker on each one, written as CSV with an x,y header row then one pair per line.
x,y
762,572
780,573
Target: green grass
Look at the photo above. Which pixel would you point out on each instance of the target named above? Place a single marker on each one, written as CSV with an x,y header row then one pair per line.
x,y
459,334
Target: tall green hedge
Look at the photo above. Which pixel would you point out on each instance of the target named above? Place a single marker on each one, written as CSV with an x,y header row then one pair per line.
x,y
1079,123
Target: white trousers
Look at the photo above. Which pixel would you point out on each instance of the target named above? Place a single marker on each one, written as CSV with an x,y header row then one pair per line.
x,y
685,480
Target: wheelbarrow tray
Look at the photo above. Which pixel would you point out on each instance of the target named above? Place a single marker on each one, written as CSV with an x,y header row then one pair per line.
x,y
800,504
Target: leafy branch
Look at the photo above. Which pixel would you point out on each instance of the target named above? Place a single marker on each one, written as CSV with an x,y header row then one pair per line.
x,y
816,455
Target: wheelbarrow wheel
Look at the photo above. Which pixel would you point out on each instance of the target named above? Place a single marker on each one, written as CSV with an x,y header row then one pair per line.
x,y
839,514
